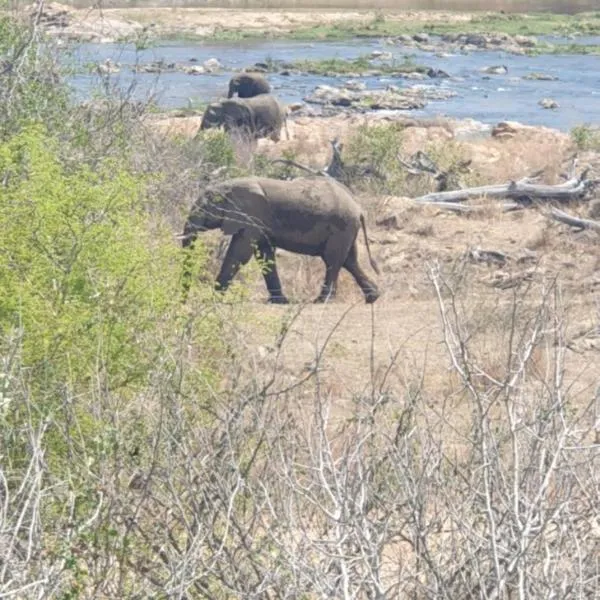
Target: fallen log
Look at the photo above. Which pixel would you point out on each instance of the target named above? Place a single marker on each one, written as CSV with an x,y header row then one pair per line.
x,y
451,206
574,189
465,208
563,217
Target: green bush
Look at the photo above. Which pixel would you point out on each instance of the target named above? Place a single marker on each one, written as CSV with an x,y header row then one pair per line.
x,y
379,146
84,273
217,148
586,137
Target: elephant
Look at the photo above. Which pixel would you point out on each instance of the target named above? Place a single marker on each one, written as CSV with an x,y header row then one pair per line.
x,y
260,116
317,216
247,85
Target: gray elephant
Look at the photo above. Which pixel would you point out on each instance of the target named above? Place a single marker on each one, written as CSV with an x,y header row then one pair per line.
x,y
314,216
260,116
247,85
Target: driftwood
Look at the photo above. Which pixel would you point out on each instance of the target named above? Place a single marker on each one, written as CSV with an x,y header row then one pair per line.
x,y
465,208
563,217
524,189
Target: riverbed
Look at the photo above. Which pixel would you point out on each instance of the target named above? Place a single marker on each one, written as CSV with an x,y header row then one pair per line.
x,y
488,98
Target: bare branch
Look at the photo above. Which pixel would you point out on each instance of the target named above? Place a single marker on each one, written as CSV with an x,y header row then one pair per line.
x,y
563,217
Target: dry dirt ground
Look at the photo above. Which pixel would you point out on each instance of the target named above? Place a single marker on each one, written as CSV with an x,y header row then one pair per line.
x,y
408,242
110,24
207,21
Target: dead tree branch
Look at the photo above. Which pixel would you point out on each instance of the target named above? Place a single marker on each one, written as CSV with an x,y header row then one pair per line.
x,y
293,163
563,217
574,189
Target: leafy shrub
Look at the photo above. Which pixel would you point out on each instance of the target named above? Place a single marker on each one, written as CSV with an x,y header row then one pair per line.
x,y
586,137
83,273
378,146
217,148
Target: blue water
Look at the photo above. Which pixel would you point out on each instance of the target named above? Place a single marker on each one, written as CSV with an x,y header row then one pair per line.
x,y
486,98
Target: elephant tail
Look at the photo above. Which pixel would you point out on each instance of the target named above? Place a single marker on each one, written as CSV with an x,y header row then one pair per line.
x,y
285,122
371,260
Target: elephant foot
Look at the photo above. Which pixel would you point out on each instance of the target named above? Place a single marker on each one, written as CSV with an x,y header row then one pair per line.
x,y
278,300
371,296
322,299
220,288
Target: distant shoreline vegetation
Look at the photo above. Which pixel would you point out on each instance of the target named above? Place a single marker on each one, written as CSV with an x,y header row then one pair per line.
x,y
512,6
378,24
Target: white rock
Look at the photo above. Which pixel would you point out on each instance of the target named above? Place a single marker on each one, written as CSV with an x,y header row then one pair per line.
x,y
352,84
194,70
379,54
548,103
495,70
212,64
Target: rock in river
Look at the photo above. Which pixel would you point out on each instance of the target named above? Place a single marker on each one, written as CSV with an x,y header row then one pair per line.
x,y
548,103
495,70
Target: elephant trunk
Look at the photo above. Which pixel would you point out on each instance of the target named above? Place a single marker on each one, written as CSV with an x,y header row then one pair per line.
x,y
188,237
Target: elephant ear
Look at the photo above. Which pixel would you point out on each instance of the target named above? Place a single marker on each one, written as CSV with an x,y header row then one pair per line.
x,y
245,204
234,83
238,114
211,115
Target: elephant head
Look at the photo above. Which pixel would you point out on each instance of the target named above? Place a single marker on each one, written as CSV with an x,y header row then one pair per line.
x,y
230,114
247,85
259,116
220,208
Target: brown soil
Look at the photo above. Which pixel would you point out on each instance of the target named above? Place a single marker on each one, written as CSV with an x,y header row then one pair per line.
x,y
406,318
206,21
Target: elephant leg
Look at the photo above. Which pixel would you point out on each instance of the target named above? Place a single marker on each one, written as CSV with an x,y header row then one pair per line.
x,y
238,254
329,288
369,289
266,253
334,256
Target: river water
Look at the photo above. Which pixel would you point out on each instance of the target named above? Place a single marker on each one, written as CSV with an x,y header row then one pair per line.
x,y
486,98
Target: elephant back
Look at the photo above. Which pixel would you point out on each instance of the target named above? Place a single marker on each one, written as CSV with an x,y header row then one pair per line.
x,y
248,85
268,113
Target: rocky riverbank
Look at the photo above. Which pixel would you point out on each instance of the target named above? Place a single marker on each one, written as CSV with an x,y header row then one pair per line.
x,y
438,31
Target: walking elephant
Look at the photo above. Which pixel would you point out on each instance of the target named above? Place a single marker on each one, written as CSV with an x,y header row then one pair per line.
x,y
247,85
259,116
313,216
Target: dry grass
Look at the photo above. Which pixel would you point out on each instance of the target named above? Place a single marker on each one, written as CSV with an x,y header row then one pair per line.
x,y
440,443
370,415
424,233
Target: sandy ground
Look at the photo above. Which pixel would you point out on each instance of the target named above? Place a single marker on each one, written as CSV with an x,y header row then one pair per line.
x,y
185,19
405,321
107,24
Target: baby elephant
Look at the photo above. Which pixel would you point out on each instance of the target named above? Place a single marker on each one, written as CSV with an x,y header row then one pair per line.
x,y
260,116
247,85
314,216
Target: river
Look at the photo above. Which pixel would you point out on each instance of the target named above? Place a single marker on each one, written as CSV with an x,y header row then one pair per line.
x,y
486,98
